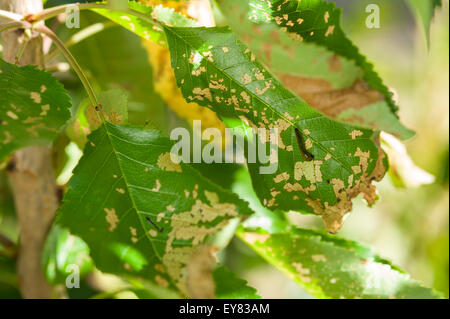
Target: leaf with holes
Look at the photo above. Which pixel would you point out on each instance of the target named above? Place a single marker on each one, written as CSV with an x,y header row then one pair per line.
x,y
330,267
311,55
139,212
33,107
214,69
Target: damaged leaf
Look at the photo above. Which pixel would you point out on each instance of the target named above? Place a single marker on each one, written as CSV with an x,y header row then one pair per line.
x,y
311,56
330,267
114,106
143,20
200,280
217,71
33,107
142,213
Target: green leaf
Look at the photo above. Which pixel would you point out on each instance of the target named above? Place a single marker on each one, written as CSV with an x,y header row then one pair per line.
x,y
141,213
424,11
324,29
126,66
111,64
118,66
229,286
113,105
303,43
33,107
143,20
61,251
280,51
271,221
330,267
216,70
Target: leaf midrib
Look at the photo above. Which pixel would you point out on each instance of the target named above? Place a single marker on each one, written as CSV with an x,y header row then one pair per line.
x,y
116,155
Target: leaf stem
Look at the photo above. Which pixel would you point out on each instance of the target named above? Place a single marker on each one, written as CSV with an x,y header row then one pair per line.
x,y
14,25
46,14
55,11
23,46
73,62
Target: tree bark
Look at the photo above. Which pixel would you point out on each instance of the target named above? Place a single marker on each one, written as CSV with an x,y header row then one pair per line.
x,y
30,171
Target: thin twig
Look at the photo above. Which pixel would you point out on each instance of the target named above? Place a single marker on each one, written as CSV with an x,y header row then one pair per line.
x,y
58,67
73,62
23,46
55,11
14,25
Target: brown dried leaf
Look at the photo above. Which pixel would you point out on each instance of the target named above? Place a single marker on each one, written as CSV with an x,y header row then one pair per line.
x,y
319,94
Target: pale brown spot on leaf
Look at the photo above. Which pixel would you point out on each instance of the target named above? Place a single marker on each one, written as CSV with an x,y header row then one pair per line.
x,y
36,97
356,133
333,215
255,237
111,218
161,281
334,63
200,282
165,163
12,115
281,177
330,30
157,187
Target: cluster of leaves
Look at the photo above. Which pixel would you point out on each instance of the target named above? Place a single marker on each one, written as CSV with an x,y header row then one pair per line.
x,y
138,214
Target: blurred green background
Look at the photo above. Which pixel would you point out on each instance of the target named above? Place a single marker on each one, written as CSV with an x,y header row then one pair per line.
x,y
409,226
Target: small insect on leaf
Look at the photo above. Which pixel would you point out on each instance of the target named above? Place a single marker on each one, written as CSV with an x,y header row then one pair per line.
x,y
307,156
151,222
